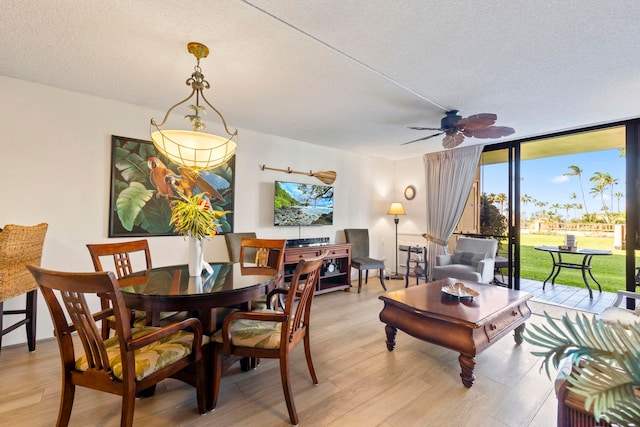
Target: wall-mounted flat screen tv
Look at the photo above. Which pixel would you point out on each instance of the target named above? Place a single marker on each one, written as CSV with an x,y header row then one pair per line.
x,y
302,204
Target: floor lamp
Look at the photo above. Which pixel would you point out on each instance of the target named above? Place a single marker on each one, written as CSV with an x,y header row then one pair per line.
x,y
396,209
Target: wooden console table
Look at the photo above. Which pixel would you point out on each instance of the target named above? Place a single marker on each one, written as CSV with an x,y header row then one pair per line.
x,y
336,269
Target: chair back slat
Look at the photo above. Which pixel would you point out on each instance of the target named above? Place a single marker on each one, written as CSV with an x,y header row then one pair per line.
x,y
302,289
88,332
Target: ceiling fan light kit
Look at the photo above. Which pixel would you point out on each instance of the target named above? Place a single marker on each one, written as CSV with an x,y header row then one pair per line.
x,y
456,128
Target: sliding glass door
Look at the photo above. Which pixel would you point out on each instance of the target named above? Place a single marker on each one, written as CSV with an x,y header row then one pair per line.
x,y
500,208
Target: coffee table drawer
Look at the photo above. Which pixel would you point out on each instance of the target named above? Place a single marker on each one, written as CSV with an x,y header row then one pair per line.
x,y
496,326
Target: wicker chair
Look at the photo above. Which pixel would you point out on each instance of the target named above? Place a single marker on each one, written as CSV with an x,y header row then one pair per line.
x,y
20,245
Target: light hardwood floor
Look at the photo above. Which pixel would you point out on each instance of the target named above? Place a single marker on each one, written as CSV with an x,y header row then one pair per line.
x,y
361,383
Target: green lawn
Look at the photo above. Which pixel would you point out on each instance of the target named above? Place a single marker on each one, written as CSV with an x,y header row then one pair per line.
x,y
536,265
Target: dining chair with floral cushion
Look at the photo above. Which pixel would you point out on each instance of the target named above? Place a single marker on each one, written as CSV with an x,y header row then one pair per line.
x,y
272,334
20,245
263,256
121,257
132,361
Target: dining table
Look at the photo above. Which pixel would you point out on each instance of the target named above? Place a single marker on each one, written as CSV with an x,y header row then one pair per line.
x,y
171,289
557,263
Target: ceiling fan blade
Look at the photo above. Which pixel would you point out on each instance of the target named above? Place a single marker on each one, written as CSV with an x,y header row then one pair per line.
x,y
452,140
419,128
422,139
477,121
492,132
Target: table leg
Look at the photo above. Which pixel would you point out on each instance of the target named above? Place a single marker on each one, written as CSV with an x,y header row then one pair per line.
x,y
585,266
391,337
467,363
518,334
558,265
553,270
591,274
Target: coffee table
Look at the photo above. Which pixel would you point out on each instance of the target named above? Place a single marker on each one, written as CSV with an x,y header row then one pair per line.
x,y
465,325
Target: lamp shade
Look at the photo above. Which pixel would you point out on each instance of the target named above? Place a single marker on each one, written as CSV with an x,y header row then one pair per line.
x,y
396,209
192,149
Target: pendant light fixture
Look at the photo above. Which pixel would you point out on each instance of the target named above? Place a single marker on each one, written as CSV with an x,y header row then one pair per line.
x,y
195,149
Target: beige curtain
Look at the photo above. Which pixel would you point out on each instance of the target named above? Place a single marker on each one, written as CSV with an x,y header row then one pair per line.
x,y
448,176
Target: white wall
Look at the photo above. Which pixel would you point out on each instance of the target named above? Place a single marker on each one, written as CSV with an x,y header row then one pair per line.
x,y
56,152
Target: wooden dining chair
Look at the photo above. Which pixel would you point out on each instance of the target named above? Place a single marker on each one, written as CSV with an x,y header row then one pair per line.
x,y
272,334
132,361
20,245
121,257
263,256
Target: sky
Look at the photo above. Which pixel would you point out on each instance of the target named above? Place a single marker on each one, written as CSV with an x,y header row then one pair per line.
x,y
544,180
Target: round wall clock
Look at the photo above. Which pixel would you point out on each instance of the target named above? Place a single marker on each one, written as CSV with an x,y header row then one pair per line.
x,y
410,192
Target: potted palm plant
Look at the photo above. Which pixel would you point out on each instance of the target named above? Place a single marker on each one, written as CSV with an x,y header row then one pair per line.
x,y
193,217
605,361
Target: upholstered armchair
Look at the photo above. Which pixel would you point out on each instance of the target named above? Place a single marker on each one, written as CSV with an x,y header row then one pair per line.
x,y
617,311
234,241
473,259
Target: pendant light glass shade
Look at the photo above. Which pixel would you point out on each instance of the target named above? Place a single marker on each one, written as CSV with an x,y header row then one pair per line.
x,y
194,148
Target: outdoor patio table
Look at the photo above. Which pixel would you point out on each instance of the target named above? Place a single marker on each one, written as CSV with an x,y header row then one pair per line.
x,y
584,266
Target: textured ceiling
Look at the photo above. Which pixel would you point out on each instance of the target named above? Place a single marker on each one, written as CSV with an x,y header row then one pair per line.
x,y
347,74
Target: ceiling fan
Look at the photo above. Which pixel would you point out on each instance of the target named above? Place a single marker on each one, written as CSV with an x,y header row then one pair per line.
x,y
456,128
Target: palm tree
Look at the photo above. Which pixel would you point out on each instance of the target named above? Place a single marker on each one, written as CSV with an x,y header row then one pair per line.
x,y
541,205
618,195
555,208
604,180
525,198
577,206
566,207
598,190
501,198
576,171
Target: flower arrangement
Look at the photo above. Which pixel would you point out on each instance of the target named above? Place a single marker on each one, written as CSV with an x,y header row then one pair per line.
x,y
194,216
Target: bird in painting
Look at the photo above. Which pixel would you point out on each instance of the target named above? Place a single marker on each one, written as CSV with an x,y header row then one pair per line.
x,y
159,172
190,182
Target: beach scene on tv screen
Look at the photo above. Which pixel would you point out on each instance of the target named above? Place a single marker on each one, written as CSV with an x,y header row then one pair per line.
x,y
302,204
